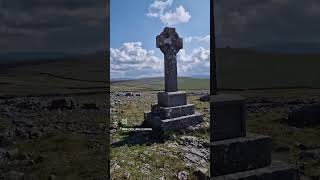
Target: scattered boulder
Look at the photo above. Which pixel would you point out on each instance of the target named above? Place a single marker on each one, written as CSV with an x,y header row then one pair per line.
x,y
64,103
306,116
313,154
58,104
127,175
129,94
115,167
191,141
114,125
145,169
89,106
183,175
201,173
205,98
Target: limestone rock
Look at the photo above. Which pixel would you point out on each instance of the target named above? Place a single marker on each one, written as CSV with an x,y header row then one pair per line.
x,y
183,175
306,116
205,98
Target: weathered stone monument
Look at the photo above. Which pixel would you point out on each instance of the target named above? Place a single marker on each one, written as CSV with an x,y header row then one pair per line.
x,y
172,111
236,155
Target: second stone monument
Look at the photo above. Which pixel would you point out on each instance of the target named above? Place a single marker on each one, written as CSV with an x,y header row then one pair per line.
x,y
172,111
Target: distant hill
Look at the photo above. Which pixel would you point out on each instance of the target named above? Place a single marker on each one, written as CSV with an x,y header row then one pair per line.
x,y
200,76
32,56
120,79
157,83
236,69
290,48
85,74
192,76
247,68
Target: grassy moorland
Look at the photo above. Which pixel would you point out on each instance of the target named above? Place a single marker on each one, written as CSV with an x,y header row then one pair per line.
x,y
273,84
267,114
138,155
39,142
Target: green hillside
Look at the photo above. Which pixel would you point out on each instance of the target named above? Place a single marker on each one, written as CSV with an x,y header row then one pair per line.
x,y
240,68
63,76
236,69
184,83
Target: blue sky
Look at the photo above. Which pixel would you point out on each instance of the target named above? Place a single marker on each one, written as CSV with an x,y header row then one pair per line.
x,y
135,24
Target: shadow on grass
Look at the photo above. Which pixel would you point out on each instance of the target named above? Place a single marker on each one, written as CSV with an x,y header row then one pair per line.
x,y
141,137
134,138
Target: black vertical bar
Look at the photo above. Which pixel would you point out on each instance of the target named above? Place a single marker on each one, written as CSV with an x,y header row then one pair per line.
x,y
213,63
107,62
213,77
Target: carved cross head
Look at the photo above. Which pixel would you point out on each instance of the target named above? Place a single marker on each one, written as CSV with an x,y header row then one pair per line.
x,y
169,41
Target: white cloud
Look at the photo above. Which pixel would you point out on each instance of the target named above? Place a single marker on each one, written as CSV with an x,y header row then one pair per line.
x,y
180,15
205,39
195,63
157,8
131,60
161,9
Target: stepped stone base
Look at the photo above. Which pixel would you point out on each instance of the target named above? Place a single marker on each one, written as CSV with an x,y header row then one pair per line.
x,y
276,171
240,154
172,112
173,124
170,99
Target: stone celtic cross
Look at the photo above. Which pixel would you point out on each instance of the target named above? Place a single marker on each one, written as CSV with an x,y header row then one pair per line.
x,y
170,43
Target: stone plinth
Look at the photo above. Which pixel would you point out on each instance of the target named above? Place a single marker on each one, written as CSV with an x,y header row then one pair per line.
x,y
276,171
228,117
173,124
170,99
240,154
172,112
236,155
